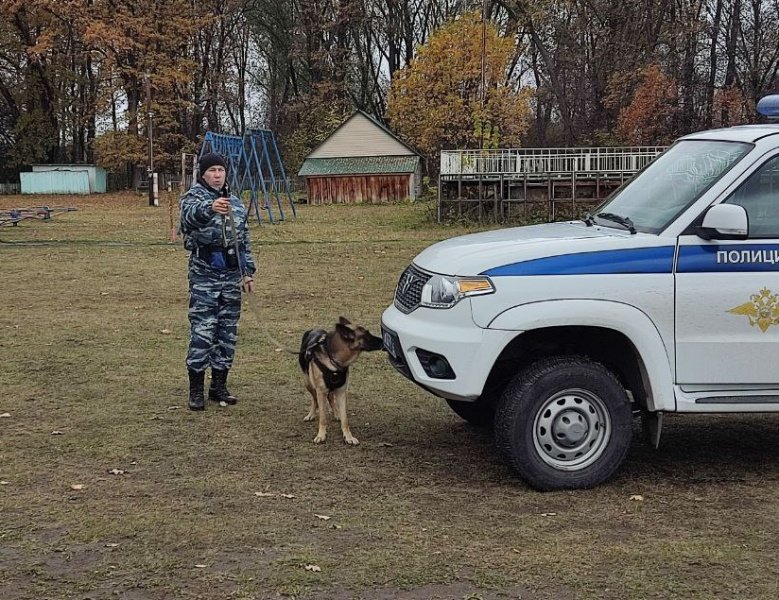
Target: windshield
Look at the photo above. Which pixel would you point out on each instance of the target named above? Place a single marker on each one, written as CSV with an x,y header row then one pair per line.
x,y
670,184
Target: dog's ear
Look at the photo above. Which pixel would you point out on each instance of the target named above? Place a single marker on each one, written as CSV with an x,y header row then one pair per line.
x,y
347,333
344,321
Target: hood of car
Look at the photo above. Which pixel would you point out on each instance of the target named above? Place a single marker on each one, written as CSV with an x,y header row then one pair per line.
x,y
483,253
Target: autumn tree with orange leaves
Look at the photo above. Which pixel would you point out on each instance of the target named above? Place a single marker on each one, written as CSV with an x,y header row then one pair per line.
x,y
649,117
436,102
135,41
75,62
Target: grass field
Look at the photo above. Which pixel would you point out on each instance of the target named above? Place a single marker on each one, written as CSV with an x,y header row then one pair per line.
x,y
110,488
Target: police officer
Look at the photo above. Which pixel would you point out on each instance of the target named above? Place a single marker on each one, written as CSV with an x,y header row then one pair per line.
x,y
213,223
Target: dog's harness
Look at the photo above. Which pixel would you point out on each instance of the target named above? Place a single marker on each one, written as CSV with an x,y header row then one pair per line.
x,y
334,378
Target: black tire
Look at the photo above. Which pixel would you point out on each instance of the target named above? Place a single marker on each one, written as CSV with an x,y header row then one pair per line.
x,y
480,413
564,423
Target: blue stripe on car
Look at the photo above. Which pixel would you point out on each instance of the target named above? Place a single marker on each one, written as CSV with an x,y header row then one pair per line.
x,y
604,262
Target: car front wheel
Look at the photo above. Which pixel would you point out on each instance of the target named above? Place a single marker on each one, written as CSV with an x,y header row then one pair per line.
x,y
564,423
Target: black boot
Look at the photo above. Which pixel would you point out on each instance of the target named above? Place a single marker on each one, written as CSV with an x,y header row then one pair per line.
x,y
218,391
197,399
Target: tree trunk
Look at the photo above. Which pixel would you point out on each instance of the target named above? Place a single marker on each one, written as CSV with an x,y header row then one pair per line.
x,y
715,29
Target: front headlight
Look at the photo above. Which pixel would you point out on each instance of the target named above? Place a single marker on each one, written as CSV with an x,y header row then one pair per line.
x,y
441,291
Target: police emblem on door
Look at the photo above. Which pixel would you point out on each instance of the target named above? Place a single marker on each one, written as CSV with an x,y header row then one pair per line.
x,y
762,310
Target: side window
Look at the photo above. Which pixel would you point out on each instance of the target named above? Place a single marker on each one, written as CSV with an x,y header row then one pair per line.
x,y
759,195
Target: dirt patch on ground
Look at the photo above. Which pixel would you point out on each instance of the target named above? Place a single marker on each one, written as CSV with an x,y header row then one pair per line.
x,y
452,591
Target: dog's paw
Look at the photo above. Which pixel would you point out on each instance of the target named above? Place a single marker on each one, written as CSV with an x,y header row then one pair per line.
x,y
320,438
309,417
351,440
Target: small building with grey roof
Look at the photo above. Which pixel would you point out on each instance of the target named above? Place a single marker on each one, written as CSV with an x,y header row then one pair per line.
x,y
362,161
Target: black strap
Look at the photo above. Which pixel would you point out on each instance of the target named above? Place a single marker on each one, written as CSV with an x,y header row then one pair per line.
x,y
215,248
205,252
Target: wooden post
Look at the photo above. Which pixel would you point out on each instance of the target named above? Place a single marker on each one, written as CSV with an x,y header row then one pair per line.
x,y
550,198
460,200
573,193
495,199
480,198
438,216
499,200
183,183
524,200
507,201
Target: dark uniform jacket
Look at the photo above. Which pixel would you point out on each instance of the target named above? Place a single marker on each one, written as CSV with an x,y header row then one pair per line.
x,y
202,228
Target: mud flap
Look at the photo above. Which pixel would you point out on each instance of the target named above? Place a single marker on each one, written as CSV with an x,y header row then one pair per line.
x,y
652,426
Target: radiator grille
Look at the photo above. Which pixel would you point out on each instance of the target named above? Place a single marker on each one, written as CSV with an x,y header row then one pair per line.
x,y
408,292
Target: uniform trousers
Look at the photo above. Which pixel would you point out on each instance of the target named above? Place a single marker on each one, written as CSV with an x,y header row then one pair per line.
x,y
214,311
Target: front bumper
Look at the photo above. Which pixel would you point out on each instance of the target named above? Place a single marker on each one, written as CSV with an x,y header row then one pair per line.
x,y
470,350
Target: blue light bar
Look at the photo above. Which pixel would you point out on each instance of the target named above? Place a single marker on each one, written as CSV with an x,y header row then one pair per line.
x,y
768,106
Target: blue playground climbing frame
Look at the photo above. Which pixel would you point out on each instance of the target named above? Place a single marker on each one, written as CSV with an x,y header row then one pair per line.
x,y
254,165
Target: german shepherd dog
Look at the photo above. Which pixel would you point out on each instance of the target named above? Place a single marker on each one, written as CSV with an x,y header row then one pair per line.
x,y
325,358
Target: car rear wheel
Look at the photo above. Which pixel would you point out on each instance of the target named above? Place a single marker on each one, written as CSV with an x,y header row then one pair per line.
x,y
564,423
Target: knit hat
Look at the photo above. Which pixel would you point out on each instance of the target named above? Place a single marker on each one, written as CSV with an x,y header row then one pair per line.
x,y
209,160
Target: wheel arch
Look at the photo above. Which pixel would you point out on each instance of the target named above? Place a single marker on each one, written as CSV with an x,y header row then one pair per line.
x,y
620,336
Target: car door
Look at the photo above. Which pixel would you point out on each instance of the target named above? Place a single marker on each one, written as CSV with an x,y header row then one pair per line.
x,y
727,295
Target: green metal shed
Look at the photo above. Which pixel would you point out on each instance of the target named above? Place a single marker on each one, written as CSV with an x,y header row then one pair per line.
x,y
64,179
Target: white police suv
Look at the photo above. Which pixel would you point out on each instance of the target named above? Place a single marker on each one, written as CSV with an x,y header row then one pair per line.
x,y
664,299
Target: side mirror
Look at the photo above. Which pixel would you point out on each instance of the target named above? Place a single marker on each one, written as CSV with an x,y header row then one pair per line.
x,y
724,222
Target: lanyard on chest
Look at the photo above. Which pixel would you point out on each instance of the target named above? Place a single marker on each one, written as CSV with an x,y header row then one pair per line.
x,y
230,241
229,232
